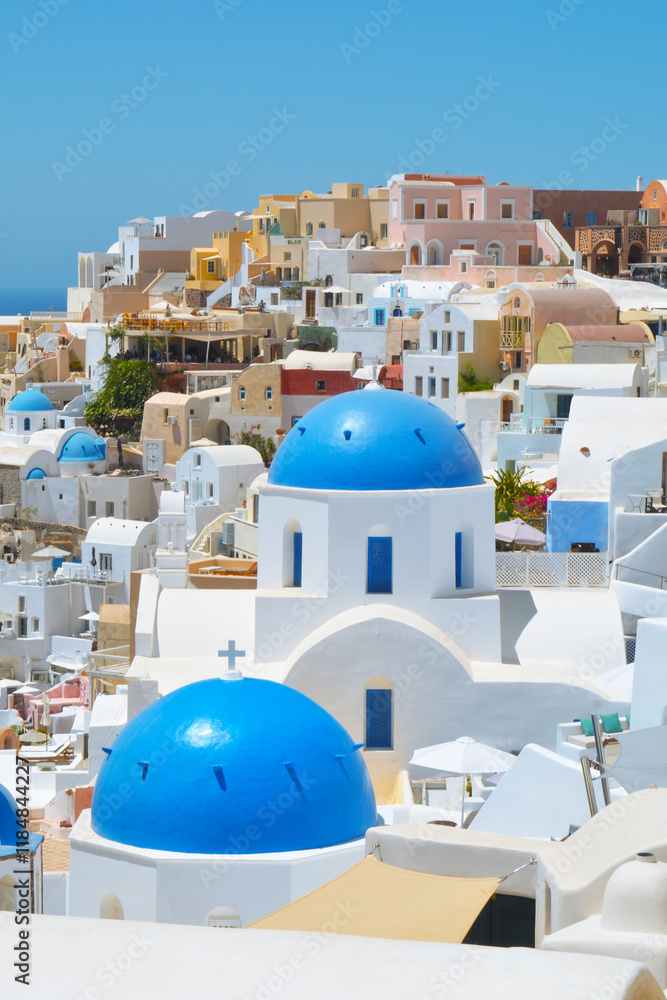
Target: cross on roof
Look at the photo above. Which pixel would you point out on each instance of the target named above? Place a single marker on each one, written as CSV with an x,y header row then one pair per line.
x,y
231,653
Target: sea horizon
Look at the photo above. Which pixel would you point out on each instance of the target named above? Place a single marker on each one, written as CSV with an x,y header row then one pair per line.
x,y
27,300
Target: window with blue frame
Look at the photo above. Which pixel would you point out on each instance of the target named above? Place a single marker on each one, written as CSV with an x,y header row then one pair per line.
x,y
379,317
378,719
298,558
458,558
379,579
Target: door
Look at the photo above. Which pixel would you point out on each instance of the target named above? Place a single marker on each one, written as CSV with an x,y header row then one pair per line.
x,y
563,404
508,409
310,302
525,256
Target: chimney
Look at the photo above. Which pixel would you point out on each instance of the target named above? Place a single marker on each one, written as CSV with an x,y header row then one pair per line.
x,y
640,183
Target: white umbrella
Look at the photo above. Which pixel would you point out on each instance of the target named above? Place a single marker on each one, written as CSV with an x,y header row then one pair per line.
x,y
90,616
46,714
463,756
336,290
518,531
50,552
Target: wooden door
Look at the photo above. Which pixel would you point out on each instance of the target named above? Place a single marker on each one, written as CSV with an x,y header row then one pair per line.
x,y
525,256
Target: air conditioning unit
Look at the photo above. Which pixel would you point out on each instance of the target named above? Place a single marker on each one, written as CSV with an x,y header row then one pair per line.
x,y
636,354
171,420
505,366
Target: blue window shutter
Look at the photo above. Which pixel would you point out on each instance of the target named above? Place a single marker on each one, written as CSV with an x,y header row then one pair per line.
x,y
298,551
378,718
379,566
458,552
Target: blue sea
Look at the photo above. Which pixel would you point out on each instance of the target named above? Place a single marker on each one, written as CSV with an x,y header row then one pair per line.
x,y
27,300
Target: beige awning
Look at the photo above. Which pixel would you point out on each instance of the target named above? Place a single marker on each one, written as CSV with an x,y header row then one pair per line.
x,y
377,900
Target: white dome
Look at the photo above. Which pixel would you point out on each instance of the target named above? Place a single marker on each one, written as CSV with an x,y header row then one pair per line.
x,y
635,899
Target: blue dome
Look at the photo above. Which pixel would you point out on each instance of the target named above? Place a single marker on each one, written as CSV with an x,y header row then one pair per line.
x,y
241,766
8,825
29,401
82,447
36,474
378,439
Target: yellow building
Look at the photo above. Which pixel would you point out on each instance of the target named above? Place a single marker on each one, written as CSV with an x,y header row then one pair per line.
x,y
275,214
211,266
604,344
347,209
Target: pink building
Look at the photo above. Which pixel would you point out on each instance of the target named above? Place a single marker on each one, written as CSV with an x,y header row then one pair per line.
x,y
434,215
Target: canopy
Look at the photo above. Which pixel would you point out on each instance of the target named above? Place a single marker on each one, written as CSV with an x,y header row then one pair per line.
x,y
336,290
518,531
377,900
463,756
50,552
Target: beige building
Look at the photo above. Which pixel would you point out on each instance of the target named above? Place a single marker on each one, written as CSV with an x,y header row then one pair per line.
x,y
346,208
257,391
526,312
172,422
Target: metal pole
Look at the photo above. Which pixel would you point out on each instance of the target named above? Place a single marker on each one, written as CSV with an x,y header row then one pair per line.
x,y
599,748
588,784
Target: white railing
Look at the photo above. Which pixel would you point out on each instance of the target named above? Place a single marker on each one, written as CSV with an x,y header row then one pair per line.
x,y
73,317
559,243
552,569
550,425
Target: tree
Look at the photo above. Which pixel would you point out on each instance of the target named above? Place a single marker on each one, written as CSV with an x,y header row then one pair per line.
x,y
265,446
118,407
469,382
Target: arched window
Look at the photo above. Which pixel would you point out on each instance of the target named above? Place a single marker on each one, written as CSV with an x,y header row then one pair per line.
x,y
496,250
26,423
379,571
242,392
320,224
363,240
328,281
268,392
378,714
309,229
90,273
292,554
111,908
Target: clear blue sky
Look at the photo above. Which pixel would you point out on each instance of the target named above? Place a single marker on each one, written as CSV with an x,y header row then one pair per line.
x,y
362,97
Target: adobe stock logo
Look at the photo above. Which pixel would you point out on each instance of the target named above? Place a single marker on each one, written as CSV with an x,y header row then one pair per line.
x,y
31,26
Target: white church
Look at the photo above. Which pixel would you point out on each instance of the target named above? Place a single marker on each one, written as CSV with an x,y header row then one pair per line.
x,y
376,595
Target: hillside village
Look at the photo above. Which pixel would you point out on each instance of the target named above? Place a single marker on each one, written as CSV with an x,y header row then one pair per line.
x,y
333,542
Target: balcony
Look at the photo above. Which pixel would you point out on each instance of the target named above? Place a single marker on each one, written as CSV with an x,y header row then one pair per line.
x,y
511,340
526,425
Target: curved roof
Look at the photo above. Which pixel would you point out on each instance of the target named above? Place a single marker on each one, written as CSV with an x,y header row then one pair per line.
x,y
8,826
321,360
232,454
375,439
115,531
627,333
568,299
29,401
212,760
82,447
